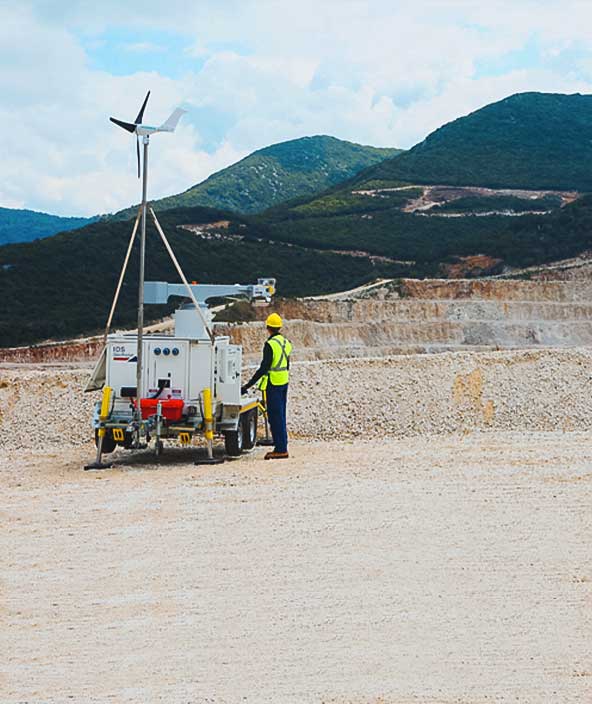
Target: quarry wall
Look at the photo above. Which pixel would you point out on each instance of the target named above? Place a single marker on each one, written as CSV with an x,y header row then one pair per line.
x,y
407,316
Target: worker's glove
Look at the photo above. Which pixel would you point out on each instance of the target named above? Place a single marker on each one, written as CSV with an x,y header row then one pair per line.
x,y
244,390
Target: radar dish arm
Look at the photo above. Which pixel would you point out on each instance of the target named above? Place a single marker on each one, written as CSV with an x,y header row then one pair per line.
x,y
159,292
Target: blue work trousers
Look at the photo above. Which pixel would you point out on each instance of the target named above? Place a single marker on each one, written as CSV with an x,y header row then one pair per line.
x,y
277,397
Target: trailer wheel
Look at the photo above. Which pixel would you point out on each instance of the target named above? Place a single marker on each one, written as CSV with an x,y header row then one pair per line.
x,y
233,442
109,443
248,424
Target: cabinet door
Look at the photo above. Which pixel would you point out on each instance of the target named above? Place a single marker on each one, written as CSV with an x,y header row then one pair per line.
x,y
228,382
166,367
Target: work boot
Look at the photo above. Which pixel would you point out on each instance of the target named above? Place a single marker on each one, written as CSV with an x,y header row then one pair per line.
x,y
276,455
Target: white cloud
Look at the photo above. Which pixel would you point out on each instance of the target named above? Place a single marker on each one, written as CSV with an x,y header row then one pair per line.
x,y
372,71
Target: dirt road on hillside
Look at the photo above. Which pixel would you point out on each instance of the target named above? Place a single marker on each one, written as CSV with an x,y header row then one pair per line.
x,y
440,570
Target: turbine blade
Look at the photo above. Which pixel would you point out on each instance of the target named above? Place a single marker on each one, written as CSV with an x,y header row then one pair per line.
x,y
126,125
138,153
141,113
171,123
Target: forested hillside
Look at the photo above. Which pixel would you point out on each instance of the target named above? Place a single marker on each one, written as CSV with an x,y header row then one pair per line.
x,y
528,140
426,242
63,286
27,225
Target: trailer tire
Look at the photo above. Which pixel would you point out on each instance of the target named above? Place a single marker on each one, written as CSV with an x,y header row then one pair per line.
x,y
248,424
109,443
233,442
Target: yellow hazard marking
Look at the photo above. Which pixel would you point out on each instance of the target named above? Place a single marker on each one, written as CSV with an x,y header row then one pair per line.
x,y
118,434
184,438
208,415
105,403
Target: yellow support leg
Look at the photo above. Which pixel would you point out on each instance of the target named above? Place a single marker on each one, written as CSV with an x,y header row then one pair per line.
x,y
105,408
103,416
208,416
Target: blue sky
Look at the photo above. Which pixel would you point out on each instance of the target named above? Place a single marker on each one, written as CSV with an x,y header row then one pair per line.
x,y
123,51
252,73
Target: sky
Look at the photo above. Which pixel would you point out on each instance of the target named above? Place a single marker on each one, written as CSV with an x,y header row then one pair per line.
x,y
252,73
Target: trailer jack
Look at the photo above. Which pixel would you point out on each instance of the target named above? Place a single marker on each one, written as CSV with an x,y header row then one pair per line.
x,y
97,464
103,415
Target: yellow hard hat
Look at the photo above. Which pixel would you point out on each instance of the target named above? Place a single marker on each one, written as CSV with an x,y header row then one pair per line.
x,y
274,321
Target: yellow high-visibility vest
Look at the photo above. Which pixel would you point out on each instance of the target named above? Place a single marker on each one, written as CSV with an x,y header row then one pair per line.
x,y
282,348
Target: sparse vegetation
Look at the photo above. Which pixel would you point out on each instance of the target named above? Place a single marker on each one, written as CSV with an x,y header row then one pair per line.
x,y
345,202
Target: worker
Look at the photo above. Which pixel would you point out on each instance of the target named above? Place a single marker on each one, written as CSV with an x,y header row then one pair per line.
x,y
273,375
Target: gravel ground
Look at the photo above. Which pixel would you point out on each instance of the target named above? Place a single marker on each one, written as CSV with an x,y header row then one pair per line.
x,y
426,570
398,396
444,393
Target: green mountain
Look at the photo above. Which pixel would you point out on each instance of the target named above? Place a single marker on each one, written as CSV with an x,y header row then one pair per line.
x,y
275,174
27,225
529,140
492,162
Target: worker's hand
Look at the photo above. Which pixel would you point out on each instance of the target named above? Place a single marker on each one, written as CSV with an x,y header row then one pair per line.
x,y
244,390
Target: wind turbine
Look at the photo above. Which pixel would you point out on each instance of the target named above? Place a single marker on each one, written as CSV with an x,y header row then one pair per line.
x,y
144,131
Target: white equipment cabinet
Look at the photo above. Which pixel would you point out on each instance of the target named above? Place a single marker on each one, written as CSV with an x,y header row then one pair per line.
x,y
180,371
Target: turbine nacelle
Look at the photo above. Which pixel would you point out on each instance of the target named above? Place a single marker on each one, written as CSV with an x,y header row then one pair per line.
x,y
141,130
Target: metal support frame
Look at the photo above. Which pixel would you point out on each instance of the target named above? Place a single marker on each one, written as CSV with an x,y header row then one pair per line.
x,y
139,349
121,277
182,275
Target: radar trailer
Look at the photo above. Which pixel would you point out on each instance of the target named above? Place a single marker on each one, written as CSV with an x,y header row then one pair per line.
x,y
158,387
190,384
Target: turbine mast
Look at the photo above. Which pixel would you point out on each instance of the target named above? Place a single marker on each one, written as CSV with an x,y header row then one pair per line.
x,y
144,131
139,350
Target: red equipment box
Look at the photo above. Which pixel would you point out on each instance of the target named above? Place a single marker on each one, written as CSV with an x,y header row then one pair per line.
x,y
172,408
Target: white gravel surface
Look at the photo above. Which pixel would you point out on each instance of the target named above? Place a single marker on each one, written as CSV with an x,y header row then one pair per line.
x,y
433,570
398,396
401,555
449,392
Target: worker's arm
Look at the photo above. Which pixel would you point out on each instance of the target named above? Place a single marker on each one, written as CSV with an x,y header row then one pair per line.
x,y
263,368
